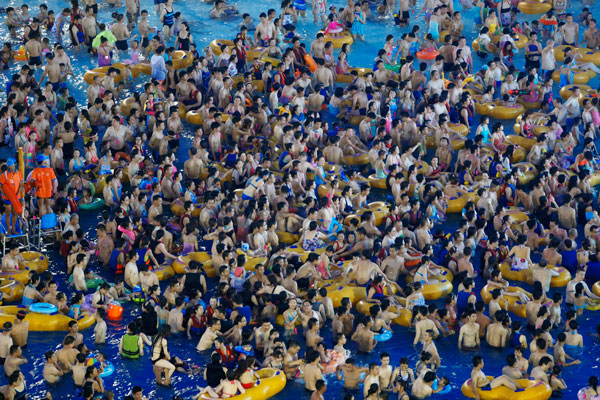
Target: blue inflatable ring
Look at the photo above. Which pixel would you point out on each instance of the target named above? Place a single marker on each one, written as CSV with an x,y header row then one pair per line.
x,y
384,336
43,308
109,368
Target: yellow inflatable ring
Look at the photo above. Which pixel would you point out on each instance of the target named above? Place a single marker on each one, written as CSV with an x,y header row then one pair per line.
x,y
527,173
216,44
182,59
193,117
459,128
378,183
514,305
480,108
579,78
35,261
180,264
356,159
596,288
44,322
404,315
347,78
534,7
271,381
535,390
595,179
339,40
252,262
434,291
456,205
539,121
526,275
526,143
164,272
11,289
499,111
520,40
253,53
287,237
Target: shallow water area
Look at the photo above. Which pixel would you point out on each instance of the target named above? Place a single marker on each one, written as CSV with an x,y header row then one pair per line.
x,y
455,364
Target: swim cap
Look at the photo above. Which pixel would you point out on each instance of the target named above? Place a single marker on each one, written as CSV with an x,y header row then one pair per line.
x,y
137,289
10,162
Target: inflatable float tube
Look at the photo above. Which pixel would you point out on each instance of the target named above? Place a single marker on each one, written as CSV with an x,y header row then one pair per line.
x,y
43,308
216,44
193,117
252,262
90,283
526,275
514,305
539,120
529,105
339,40
457,204
593,307
270,382
534,7
456,143
356,159
19,275
287,237
126,105
384,336
527,173
526,143
95,205
587,55
331,171
596,288
108,370
348,78
182,59
499,111
379,183
279,321
181,263
177,208
437,290
12,290
241,350
477,48
459,128
427,54
534,390
164,272
404,315
480,107
44,322
35,261
579,78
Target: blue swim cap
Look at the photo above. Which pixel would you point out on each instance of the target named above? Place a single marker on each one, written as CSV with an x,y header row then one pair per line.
x,y
137,289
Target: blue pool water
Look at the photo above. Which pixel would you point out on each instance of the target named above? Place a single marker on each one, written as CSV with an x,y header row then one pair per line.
x,y
455,364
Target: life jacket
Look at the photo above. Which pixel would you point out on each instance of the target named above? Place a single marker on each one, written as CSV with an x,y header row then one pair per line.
x,y
130,346
114,264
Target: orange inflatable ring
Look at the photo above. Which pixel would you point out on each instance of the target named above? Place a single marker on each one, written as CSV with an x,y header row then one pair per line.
x,y
427,54
121,155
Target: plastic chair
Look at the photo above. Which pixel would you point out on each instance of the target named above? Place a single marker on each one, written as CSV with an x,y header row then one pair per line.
x,y
20,227
48,225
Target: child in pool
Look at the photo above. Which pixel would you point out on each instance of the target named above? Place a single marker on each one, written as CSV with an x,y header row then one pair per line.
x,y
333,26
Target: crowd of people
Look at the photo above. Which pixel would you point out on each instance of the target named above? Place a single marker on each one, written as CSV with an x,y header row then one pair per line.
x,y
266,231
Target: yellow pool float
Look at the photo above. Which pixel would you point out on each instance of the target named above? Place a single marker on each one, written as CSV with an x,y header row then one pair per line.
x,y
193,117
356,159
379,209
287,237
182,59
534,7
535,390
439,289
457,144
216,44
457,204
579,78
44,322
526,143
529,105
587,55
339,40
596,288
539,121
270,382
499,110
514,305
101,72
181,263
35,261
252,262
347,78
12,290
375,182
526,275
481,108
459,128
164,272
527,173
178,208
404,315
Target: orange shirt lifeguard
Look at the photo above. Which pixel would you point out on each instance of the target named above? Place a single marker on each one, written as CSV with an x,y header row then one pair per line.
x,y
43,178
11,180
